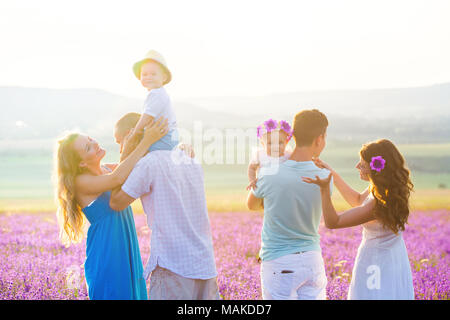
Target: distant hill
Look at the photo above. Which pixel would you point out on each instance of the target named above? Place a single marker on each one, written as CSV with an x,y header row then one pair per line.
x,y
29,113
405,115
377,103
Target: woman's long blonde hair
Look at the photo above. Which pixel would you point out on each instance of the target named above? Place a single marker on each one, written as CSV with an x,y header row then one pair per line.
x,y
66,168
391,187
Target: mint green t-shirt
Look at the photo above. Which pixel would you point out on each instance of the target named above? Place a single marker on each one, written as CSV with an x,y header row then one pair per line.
x,y
292,208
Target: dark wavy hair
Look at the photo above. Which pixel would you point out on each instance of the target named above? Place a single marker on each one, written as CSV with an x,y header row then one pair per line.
x,y
391,187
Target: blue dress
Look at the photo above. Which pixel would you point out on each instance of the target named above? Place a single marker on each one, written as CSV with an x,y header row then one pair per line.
x,y
113,266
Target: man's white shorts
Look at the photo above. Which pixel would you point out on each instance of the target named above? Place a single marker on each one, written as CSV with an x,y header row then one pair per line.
x,y
294,276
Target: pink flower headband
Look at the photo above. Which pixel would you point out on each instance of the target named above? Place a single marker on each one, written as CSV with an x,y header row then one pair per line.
x,y
377,163
271,125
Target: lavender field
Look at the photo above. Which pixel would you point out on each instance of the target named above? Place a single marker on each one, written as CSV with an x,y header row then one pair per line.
x,y
34,265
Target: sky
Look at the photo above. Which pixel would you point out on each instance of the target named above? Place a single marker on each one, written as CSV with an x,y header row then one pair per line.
x,y
226,48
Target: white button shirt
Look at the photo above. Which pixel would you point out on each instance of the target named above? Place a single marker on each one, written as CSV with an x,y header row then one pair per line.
x,y
171,188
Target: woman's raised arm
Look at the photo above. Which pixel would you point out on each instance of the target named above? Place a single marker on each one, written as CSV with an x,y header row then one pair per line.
x,y
91,184
349,218
353,197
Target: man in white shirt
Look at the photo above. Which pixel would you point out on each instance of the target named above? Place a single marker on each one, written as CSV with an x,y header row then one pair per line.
x,y
171,187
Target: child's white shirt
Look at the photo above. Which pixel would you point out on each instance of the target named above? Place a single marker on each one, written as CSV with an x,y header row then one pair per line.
x,y
260,157
158,104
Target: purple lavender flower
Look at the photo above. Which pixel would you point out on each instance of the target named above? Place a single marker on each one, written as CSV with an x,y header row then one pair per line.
x,y
33,264
270,125
377,163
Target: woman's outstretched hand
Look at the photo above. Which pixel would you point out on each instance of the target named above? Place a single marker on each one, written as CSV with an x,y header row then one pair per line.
x,y
320,164
322,183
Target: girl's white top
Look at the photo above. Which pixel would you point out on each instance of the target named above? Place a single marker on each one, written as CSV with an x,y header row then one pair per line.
x,y
382,269
158,104
260,157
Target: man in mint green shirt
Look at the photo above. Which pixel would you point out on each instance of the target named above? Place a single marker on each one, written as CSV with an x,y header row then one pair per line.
x,y
292,266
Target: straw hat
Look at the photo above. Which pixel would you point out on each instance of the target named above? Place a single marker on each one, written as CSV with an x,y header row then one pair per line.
x,y
154,56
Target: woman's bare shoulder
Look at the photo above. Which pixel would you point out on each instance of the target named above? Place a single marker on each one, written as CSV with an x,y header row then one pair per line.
x,y
82,179
369,203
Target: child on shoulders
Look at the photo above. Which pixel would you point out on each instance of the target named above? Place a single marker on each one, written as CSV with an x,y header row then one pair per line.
x,y
154,74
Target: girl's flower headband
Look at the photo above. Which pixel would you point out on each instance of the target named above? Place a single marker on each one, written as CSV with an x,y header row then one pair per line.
x,y
377,163
271,125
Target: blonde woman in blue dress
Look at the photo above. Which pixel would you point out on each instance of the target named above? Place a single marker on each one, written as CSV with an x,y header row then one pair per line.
x,y
381,270
113,266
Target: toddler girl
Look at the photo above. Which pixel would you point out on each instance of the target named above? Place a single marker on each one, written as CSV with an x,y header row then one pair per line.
x,y
274,137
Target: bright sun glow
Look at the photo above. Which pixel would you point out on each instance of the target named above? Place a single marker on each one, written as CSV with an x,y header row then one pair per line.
x,y
226,48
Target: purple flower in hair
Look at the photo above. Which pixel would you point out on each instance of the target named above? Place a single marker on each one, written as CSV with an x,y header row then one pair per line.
x,y
284,125
377,163
259,132
270,125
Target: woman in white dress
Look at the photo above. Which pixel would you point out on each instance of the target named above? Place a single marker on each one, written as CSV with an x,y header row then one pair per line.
x,y
381,269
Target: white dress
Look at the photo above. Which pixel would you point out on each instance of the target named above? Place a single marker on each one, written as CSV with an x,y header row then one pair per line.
x,y
381,270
